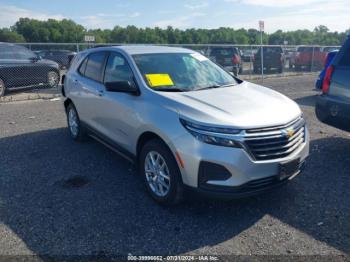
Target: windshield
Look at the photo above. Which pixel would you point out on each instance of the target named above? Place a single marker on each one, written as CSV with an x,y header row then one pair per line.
x,y
181,71
224,51
16,52
271,50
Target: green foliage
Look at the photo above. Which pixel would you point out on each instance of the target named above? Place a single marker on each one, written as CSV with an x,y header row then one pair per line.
x,y
49,31
7,35
31,30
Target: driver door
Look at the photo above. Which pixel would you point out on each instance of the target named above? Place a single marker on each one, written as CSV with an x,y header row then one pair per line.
x,y
118,117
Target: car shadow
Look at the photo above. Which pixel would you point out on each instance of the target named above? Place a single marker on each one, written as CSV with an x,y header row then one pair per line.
x,y
306,100
61,197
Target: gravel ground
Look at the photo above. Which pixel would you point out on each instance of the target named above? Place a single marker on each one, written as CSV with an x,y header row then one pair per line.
x,y
58,197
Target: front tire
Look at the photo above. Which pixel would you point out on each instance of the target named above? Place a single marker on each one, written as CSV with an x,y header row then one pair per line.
x,y
2,88
161,173
76,131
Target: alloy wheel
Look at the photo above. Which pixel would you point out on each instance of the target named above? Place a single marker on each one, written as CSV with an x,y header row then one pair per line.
x,y
157,174
52,79
73,122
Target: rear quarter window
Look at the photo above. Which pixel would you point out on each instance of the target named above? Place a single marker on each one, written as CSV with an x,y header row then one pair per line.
x,y
82,67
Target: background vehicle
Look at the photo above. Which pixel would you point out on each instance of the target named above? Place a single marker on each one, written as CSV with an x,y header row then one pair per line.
x,y
273,59
329,58
328,49
333,106
288,54
228,57
307,58
62,57
20,67
248,55
186,122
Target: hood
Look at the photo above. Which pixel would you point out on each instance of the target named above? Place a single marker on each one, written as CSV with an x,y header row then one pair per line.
x,y
245,105
47,62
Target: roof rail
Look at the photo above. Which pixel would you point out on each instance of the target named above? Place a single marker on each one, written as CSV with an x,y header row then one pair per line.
x,y
102,45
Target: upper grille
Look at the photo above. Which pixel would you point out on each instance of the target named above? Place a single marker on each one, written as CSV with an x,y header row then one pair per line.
x,y
275,142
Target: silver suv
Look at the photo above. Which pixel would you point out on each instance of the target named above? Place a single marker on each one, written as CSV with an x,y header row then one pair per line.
x,y
184,121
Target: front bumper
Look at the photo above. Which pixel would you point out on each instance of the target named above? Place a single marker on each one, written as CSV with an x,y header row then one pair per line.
x,y
246,175
251,188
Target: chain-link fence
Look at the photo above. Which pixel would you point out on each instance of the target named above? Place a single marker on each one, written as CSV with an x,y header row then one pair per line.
x,y
43,64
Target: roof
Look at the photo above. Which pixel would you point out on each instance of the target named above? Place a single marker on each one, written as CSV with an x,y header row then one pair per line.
x,y
151,49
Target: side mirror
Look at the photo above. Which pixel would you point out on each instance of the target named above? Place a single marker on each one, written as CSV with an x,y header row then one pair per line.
x,y
122,86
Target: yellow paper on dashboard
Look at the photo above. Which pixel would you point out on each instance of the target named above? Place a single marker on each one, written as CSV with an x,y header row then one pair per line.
x,y
155,80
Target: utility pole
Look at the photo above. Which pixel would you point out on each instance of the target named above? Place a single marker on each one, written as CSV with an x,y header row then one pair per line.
x,y
261,27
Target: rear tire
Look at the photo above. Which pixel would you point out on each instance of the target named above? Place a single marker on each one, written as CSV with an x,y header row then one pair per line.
x,y
2,88
161,173
75,128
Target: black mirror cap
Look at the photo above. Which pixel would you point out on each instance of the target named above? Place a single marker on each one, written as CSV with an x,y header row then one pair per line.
x,y
122,86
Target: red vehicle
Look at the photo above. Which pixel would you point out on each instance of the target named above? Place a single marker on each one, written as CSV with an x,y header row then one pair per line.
x,y
308,58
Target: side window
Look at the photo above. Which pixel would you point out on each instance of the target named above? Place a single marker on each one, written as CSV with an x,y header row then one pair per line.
x,y
345,59
83,66
94,66
117,69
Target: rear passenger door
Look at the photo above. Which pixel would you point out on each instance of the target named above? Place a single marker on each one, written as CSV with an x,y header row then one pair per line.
x,y
340,81
89,89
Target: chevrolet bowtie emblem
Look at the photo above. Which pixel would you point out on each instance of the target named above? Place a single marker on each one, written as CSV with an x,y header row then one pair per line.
x,y
290,132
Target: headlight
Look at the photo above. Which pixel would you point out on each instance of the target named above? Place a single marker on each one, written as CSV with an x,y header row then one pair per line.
x,y
212,135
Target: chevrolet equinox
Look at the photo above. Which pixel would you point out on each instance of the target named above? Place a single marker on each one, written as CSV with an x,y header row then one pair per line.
x,y
184,121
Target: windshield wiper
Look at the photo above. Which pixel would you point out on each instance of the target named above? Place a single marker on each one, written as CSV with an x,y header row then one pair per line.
x,y
172,89
214,86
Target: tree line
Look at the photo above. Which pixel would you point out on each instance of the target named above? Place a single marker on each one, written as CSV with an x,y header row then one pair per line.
x,y
31,30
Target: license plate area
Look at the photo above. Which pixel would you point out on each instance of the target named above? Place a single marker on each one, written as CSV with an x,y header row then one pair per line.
x,y
288,169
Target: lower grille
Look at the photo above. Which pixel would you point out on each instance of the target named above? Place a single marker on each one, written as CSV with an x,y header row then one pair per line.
x,y
276,142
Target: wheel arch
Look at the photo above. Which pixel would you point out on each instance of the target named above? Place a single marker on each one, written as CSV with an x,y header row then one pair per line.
x,y
144,138
148,136
3,78
67,102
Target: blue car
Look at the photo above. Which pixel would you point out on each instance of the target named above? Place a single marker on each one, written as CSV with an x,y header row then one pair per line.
x,y
328,61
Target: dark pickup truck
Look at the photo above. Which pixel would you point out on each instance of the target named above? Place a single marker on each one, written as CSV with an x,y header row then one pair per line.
x,y
62,57
273,59
228,57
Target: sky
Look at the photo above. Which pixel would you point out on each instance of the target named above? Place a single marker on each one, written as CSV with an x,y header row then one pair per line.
x,y
286,15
